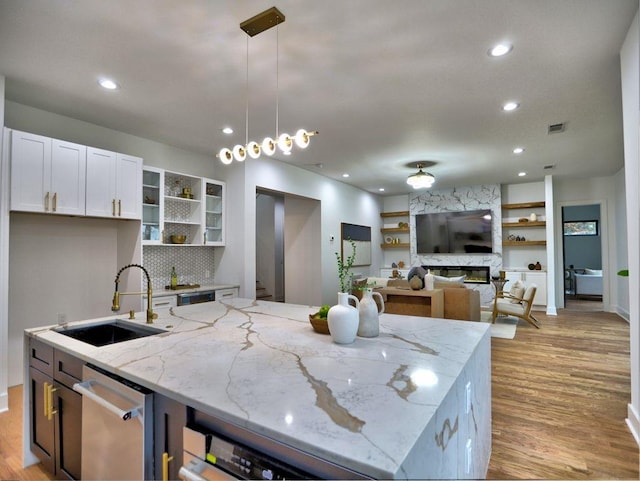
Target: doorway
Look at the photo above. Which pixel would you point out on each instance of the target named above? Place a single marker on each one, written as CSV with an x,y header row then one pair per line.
x,y
288,248
582,254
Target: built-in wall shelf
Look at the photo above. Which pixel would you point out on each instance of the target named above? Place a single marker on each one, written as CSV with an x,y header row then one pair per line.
x,y
390,230
524,243
524,205
397,245
401,213
538,223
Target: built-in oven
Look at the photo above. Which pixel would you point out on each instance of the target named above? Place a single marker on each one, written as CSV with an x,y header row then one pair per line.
x,y
196,297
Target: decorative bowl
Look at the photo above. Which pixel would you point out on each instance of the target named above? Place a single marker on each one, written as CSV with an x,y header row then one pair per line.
x,y
319,325
178,239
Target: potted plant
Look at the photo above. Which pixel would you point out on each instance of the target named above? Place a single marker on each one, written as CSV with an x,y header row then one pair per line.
x,y
343,318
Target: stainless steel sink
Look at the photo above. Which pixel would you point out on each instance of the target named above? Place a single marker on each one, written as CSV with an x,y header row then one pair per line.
x,y
111,332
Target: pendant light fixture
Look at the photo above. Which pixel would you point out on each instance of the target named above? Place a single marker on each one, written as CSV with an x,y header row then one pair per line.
x,y
421,180
285,142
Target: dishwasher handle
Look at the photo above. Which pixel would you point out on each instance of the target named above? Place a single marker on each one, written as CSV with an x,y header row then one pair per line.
x,y
84,388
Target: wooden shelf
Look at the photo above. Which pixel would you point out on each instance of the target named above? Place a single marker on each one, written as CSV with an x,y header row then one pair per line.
x,y
399,245
538,223
402,213
524,243
390,230
524,205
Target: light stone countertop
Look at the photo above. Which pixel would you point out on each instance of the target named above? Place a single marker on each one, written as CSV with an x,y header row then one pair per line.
x,y
260,365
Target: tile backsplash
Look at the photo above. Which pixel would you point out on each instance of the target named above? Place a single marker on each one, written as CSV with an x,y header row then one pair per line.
x,y
194,264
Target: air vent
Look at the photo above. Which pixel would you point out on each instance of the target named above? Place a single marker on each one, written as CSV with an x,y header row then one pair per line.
x,y
556,128
548,167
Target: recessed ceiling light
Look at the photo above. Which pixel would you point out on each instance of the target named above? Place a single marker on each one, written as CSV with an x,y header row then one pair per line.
x,y
287,152
108,84
500,50
227,130
381,189
509,106
518,150
521,174
345,175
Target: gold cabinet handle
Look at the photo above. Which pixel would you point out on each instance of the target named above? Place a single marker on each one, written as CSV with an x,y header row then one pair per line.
x,y
50,390
45,398
55,201
113,207
119,207
166,459
46,202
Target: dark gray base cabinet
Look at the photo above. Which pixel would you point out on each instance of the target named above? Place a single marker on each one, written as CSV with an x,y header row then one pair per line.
x,y
55,410
169,418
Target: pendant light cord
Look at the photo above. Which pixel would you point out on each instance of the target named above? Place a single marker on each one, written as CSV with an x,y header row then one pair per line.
x,y
246,93
277,79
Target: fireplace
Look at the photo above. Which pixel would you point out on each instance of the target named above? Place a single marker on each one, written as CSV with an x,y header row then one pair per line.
x,y
474,274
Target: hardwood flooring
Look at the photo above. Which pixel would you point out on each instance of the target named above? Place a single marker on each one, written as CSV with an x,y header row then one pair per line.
x,y
559,397
559,400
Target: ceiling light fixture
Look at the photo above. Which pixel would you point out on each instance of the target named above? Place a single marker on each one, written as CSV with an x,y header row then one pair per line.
x,y
285,142
421,180
227,130
500,50
521,174
108,84
510,106
518,150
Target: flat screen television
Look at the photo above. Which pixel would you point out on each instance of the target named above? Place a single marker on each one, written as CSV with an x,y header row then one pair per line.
x,y
465,232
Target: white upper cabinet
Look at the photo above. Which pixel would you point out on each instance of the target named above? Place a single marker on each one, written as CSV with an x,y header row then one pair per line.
x,y
114,184
47,175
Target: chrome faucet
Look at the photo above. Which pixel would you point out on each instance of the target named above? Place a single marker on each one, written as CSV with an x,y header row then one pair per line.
x,y
115,306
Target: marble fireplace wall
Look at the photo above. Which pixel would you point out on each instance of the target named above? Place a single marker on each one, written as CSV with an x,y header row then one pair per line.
x,y
460,199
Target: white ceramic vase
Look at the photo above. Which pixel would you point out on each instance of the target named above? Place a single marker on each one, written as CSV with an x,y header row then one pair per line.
x,y
369,325
429,281
343,319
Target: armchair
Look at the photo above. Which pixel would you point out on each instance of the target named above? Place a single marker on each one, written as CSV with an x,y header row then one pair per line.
x,y
510,305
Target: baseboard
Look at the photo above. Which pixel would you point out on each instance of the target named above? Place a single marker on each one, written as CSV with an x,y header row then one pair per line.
x,y
633,421
622,313
4,402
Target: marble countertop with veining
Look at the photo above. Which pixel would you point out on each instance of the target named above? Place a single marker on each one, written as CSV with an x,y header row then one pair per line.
x,y
260,365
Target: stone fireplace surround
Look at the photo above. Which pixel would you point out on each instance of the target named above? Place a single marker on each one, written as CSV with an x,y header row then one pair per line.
x,y
475,197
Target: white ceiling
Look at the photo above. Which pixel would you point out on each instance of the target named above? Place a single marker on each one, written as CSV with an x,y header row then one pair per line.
x,y
385,83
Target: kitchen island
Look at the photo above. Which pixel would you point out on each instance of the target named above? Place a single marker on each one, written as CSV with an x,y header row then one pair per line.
x,y
413,403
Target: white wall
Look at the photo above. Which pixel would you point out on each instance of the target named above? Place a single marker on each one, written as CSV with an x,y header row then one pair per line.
x,y
4,260
620,290
265,242
339,203
630,73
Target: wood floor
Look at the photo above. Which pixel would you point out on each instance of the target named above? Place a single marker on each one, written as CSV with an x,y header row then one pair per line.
x,y
559,400
559,397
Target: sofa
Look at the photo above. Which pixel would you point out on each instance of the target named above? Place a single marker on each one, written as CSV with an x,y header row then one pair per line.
x,y
459,302
589,283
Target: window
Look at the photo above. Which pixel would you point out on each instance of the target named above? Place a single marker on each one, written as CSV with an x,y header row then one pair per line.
x,y
581,227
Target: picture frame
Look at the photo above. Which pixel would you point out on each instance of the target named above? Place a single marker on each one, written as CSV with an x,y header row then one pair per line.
x,y
361,236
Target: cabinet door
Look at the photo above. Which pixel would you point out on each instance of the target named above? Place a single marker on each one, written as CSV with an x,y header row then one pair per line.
x,y
169,418
68,174
30,172
214,212
42,429
101,191
68,432
128,186
540,280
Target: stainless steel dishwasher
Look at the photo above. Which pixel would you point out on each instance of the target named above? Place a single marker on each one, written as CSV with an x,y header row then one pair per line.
x,y
117,427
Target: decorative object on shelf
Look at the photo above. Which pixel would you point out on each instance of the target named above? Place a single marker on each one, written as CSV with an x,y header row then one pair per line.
x,y
149,200
402,225
344,319
421,180
369,322
400,264
388,239
415,283
394,265
522,220
533,217
538,266
253,26
511,237
429,281
178,239
531,267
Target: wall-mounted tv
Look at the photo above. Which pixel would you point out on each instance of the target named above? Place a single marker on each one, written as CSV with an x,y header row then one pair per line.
x,y
465,232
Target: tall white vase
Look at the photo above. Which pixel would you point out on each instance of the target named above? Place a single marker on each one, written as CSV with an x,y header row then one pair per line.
x,y
369,325
343,319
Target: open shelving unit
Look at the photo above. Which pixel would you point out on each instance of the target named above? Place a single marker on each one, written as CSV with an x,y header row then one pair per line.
x,y
524,225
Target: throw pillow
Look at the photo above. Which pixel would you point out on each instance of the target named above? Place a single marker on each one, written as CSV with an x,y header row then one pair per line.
x,y
517,290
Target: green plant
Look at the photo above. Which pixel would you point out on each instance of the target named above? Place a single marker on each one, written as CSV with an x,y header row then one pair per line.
x,y
344,267
624,273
